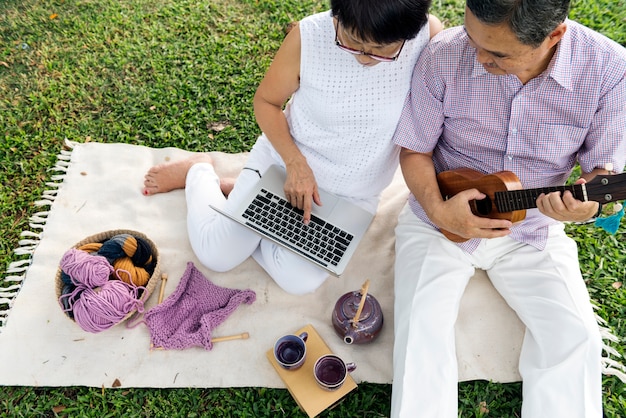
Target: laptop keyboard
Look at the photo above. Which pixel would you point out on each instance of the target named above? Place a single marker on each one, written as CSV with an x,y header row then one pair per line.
x,y
274,217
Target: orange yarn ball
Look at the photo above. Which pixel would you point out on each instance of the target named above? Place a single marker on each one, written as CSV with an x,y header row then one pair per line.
x,y
91,247
129,273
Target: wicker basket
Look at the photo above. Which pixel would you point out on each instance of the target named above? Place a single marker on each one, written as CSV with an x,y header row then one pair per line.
x,y
104,236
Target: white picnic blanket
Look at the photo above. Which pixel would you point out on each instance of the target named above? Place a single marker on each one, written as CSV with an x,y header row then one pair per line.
x,y
98,188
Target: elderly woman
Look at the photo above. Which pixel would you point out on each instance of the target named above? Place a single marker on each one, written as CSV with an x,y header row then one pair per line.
x,y
344,75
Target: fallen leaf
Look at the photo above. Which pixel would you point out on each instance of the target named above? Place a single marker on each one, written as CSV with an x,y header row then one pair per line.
x,y
54,16
58,409
482,407
218,126
616,285
4,64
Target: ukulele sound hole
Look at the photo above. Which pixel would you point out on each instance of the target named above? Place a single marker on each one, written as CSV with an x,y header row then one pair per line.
x,y
482,207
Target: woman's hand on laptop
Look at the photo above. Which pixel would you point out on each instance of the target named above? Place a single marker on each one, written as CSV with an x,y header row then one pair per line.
x,y
301,189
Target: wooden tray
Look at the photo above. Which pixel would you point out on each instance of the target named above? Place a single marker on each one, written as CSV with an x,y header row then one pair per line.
x,y
301,383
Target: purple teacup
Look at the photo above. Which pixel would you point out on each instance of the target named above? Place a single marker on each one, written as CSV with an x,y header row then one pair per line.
x,y
330,371
290,351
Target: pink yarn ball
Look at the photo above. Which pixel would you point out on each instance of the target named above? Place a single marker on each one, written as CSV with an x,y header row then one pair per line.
x,y
100,309
87,269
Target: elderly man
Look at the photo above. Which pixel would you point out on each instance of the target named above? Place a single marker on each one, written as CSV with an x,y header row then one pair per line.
x,y
518,88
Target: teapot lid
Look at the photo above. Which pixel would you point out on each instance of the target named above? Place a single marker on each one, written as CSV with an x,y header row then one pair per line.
x,y
350,305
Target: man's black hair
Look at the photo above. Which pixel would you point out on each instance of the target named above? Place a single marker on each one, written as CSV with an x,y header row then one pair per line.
x,y
530,20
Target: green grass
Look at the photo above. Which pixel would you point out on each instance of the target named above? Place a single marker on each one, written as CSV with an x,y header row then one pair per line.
x,y
182,73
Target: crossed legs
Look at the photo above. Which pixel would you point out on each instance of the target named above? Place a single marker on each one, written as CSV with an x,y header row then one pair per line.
x,y
220,243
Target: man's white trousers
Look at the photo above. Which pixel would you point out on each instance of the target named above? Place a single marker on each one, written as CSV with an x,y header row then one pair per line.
x,y
560,360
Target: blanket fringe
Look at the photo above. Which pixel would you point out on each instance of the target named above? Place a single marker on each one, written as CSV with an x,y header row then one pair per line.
x,y
13,279
610,366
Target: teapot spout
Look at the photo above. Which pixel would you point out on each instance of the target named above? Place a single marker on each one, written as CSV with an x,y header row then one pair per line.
x,y
350,336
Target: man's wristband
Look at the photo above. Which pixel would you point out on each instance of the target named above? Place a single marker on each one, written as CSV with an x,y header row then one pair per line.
x,y
599,212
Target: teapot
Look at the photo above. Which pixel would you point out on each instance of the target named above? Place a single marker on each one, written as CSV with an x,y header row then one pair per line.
x,y
357,317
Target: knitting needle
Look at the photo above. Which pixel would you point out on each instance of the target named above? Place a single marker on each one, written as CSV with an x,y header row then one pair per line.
x,y
161,294
242,336
162,291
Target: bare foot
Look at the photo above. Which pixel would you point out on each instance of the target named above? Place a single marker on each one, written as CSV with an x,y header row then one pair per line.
x,y
169,176
227,184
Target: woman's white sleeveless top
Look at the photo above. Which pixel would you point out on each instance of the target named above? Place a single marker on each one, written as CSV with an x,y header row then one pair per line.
x,y
343,115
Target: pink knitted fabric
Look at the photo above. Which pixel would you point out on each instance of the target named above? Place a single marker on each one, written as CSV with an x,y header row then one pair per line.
x,y
188,316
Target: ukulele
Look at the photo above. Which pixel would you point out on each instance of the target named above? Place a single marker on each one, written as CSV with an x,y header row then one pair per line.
x,y
507,200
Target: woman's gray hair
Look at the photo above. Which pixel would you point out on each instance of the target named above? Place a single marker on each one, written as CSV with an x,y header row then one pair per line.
x,y
530,20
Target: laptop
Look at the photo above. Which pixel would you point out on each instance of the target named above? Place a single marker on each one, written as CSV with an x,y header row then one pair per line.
x,y
329,240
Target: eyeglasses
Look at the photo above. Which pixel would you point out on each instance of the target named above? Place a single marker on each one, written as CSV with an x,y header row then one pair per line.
x,y
353,51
